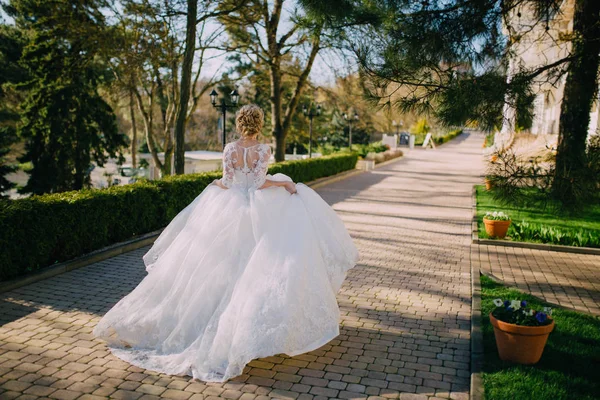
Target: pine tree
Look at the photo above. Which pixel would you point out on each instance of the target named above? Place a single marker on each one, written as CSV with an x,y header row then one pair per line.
x,y
454,61
7,137
11,74
65,122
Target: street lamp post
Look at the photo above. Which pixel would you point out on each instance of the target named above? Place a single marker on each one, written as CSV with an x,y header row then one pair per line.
x,y
310,114
398,125
235,98
349,119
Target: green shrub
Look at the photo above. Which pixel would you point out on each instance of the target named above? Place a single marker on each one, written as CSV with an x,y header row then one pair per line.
x,y
437,139
364,149
42,230
529,232
489,139
447,137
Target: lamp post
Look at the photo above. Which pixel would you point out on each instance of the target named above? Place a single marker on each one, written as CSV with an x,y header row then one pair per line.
x,y
235,98
398,125
310,114
350,119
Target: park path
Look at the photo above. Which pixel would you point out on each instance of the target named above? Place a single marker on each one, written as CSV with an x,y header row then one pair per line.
x,y
405,307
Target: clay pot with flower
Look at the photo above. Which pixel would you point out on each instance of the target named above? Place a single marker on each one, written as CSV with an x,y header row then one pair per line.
x,y
489,182
521,332
496,224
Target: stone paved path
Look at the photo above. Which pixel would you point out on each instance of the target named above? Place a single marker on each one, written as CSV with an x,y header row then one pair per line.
x,y
571,280
405,307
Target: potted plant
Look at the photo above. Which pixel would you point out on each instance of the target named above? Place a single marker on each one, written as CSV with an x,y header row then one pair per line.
x,y
496,224
489,182
521,333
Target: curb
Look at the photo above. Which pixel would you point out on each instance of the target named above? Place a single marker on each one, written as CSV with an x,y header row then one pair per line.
x,y
525,245
539,246
477,356
87,259
124,247
334,178
476,392
393,160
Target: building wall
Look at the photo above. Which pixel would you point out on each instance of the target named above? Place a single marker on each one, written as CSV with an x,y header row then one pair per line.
x,y
534,46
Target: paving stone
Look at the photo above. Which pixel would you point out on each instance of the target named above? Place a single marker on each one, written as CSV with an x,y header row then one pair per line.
x,y
63,394
125,395
176,394
39,390
15,386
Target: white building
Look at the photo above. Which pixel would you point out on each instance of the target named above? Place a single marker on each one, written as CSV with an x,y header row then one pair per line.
x,y
534,46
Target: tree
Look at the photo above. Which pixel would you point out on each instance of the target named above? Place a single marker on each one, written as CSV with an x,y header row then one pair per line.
x,y
455,59
6,139
209,11
160,67
254,32
11,74
186,78
580,89
65,122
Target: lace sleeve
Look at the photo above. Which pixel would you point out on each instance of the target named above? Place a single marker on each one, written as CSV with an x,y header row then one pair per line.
x,y
228,169
262,165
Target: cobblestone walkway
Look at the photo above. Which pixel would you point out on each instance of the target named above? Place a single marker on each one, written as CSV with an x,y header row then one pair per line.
x,y
405,307
571,280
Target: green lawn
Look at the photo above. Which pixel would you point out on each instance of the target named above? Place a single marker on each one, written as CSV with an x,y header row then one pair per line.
x,y
534,224
569,368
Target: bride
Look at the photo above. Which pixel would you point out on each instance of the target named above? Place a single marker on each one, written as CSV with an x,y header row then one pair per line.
x,y
249,269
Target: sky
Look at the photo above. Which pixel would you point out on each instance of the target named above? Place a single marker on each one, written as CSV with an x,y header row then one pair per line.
x,y
325,68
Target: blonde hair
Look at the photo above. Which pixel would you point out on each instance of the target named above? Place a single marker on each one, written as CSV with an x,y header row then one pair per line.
x,y
249,120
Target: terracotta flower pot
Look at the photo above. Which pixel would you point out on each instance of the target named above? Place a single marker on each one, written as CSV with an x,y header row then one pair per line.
x,y
520,344
496,229
488,184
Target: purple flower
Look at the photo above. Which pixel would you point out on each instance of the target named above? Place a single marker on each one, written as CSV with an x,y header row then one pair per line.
x,y
506,303
541,317
523,304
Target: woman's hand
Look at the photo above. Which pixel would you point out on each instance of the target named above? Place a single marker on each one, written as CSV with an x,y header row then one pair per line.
x,y
290,187
219,184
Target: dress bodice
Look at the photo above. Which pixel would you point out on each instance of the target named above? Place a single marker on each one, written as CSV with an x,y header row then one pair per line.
x,y
245,167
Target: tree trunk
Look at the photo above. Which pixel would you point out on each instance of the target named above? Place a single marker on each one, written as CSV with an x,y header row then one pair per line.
x,y
147,118
580,87
276,113
134,131
184,92
280,149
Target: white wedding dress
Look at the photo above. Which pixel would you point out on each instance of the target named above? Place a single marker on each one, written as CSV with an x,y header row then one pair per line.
x,y
240,273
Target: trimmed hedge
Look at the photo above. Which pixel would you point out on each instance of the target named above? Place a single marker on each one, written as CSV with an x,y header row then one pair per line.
x,y
447,137
39,231
438,139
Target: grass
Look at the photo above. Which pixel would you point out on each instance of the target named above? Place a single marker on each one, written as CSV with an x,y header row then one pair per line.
x,y
535,224
489,140
569,368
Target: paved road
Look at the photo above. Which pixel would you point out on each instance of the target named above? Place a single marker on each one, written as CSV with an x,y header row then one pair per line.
x,y
405,307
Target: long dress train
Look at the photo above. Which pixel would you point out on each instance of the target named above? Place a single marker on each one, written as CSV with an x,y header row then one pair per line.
x,y
238,274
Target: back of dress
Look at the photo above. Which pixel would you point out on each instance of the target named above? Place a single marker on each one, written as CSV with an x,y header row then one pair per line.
x,y
245,167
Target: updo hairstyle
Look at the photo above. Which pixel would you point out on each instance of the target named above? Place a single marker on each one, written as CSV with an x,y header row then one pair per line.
x,y
249,121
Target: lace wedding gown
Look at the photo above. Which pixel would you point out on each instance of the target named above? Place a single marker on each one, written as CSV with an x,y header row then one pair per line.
x,y
240,273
